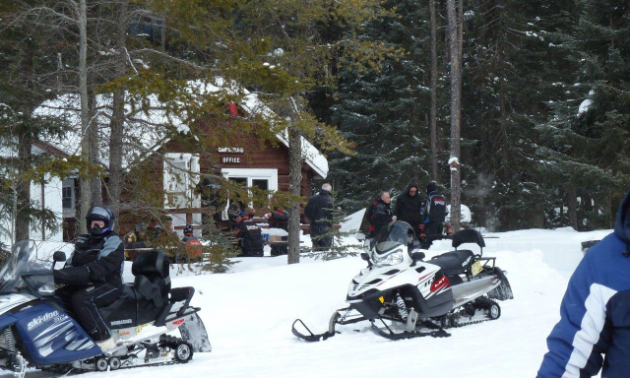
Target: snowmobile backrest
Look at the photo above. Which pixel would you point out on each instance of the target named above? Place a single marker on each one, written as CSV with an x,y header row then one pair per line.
x,y
152,277
468,236
154,263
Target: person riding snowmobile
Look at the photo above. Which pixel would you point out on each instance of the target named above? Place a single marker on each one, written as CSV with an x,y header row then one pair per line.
x,y
93,274
595,312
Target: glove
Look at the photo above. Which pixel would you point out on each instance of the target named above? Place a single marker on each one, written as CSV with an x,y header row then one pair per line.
x,y
79,275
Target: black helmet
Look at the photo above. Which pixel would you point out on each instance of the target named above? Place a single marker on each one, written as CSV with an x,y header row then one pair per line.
x,y
100,213
188,229
431,187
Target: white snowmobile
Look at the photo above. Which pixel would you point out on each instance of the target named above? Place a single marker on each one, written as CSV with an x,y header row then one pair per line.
x,y
422,297
36,330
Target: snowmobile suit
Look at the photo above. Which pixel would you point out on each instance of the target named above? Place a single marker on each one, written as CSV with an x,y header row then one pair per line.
x,y
94,278
435,211
408,208
381,216
319,212
249,238
595,315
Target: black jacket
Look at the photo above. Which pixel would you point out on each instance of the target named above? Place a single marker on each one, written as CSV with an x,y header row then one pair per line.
x,y
408,208
319,212
249,238
382,216
103,256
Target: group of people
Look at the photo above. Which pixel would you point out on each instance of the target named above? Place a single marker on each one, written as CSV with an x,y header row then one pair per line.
x,y
426,215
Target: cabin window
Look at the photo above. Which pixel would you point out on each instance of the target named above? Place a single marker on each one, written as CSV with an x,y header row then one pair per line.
x,y
265,179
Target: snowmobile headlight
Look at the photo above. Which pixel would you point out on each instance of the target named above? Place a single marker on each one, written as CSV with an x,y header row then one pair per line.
x,y
393,258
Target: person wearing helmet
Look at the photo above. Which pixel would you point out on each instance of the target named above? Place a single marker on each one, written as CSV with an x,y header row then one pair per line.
x,y
191,243
249,236
93,275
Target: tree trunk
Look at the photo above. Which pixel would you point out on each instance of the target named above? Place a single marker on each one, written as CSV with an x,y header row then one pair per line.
x,y
118,115
454,47
93,138
572,207
23,189
295,183
86,193
433,116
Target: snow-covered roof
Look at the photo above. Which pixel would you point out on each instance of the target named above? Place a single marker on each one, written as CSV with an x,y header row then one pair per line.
x,y
145,130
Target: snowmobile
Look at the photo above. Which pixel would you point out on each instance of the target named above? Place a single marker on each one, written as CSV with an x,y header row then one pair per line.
x,y
424,298
36,330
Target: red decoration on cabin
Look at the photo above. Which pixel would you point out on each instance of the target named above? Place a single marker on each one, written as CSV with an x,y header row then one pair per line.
x,y
233,108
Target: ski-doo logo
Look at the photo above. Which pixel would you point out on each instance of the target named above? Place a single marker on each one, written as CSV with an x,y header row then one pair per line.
x,y
121,322
36,322
466,262
178,322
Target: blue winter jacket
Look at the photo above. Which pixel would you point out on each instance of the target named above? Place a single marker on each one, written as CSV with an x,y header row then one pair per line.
x,y
594,329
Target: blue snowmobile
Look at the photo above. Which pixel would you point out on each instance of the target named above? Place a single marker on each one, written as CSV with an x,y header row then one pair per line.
x,y
36,330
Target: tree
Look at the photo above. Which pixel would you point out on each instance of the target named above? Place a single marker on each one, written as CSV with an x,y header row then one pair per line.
x,y
455,49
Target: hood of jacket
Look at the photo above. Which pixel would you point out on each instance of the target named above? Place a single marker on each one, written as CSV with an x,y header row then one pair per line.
x,y
412,185
622,226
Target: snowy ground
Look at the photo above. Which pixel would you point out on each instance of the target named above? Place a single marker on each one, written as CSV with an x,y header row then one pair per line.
x,y
248,314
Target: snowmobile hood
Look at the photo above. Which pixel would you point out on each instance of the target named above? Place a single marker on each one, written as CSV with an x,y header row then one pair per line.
x,y
622,226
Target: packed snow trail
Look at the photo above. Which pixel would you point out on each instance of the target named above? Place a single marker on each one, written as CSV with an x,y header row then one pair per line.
x,y
248,315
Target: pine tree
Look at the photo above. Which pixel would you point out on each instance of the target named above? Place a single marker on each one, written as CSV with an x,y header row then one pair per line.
x,y
384,110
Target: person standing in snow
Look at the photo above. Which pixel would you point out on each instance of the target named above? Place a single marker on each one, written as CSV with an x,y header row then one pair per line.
x,y
434,212
319,211
595,312
249,236
408,207
381,214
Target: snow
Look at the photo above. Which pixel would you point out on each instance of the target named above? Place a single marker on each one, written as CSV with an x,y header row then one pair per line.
x,y
465,213
453,160
248,315
584,106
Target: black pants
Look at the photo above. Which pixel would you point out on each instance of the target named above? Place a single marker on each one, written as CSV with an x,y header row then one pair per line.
x,y
433,230
321,242
83,304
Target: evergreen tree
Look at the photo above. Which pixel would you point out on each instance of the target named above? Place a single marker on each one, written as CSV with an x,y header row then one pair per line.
x,y
384,110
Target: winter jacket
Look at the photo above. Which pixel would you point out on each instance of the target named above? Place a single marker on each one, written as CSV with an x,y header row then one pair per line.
x,y
249,238
381,216
434,209
103,256
408,208
319,212
595,312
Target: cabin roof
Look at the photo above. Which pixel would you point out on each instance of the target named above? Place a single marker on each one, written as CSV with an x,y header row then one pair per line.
x,y
145,130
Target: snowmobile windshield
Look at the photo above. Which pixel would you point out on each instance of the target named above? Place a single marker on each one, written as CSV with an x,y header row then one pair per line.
x,y
27,270
394,235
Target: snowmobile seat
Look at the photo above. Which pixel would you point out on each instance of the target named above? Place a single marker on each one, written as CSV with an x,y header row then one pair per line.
x,y
454,263
152,280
